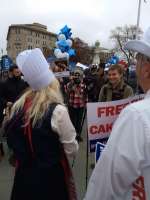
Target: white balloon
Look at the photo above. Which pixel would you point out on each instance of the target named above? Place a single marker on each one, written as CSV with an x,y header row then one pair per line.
x,y
56,45
56,52
66,55
62,55
61,37
69,42
59,55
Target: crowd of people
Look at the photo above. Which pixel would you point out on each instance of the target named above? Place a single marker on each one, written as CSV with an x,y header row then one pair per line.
x,y
42,118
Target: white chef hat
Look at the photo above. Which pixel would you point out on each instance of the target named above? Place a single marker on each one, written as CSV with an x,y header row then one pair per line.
x,y
35,68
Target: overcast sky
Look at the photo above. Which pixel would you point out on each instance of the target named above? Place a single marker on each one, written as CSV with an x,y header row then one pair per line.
x,y
90,20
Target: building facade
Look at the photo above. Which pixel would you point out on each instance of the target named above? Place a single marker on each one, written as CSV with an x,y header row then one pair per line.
x,y
28,36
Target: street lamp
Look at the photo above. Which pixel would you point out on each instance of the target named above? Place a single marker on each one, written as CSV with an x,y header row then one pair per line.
x,y
1,52
138,19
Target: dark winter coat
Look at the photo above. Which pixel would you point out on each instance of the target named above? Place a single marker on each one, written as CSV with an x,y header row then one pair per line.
x,y
12,89
122,91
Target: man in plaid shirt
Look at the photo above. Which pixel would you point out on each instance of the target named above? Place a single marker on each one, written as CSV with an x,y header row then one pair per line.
x,y
77,99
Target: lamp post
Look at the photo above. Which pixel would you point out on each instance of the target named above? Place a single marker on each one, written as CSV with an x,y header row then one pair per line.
x,y
138,19
136,37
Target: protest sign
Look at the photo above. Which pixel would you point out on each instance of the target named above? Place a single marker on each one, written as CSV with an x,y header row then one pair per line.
x,y
62,74
99,148
101,117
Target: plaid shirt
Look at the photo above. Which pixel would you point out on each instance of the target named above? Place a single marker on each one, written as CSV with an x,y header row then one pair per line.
x,y
77,95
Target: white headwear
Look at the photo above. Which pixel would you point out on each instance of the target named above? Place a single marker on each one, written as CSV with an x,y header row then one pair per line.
x,y
142,46
35,68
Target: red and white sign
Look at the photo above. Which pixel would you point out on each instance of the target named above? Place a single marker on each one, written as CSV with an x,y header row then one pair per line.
x,y
101,117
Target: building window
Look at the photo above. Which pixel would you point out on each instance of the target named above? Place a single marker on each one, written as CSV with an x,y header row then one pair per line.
x,y
17,31
37,35
29,39
17,39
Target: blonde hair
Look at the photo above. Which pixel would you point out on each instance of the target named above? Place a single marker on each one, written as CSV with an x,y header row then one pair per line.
x,y
40,101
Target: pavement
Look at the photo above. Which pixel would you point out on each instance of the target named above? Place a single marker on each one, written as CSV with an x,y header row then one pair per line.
x,y
6,176
79,170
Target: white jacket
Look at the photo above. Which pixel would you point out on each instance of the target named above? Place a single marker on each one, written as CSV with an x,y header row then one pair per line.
x,y
123,171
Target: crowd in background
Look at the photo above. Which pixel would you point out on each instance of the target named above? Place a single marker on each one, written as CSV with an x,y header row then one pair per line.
x,y
94,84
43,115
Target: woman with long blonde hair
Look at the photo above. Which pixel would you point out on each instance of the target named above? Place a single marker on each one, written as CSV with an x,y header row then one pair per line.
x,y
40,134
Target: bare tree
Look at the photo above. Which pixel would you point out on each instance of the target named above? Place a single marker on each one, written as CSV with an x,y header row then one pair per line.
x,y
120,35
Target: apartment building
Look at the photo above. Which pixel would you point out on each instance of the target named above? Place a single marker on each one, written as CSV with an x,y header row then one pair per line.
x,y
28,36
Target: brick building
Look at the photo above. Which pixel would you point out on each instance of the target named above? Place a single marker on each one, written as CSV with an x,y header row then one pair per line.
x,y
28,36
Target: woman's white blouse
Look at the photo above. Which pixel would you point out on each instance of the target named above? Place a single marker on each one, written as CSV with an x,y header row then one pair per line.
x,y
62,124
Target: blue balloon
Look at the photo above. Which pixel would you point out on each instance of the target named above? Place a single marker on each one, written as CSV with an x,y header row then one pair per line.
x,y
63,46
68,35
66,31
113,60
71,52
64,43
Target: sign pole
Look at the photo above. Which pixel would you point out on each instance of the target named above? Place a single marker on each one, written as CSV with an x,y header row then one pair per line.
x,y
87,160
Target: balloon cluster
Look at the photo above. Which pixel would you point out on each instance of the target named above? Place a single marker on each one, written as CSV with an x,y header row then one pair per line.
x,y
113,60
64,43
